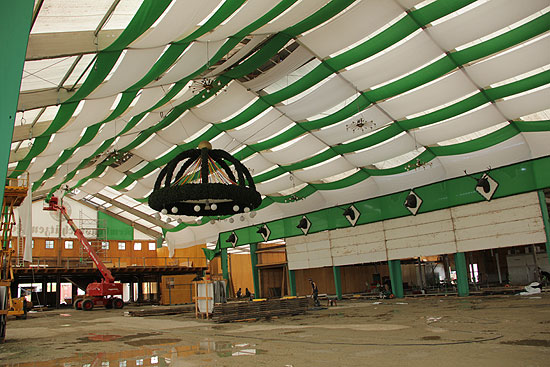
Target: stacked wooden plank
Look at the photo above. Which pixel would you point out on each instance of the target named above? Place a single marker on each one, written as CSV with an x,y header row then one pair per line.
x,y
226,312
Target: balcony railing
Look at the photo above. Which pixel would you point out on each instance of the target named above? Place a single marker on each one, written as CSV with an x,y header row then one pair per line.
x,y
117,262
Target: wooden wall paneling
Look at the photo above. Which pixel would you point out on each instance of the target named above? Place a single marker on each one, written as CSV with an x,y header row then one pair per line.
x,y
271,280
510,221
182,292
240,272
324,277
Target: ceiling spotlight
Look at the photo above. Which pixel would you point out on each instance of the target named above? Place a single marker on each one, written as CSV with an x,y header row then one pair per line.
x,y
214,206
252,214
246,209
231,220
212,221
156,215
235,208
179,220
197,208
241,218
174,209
168,220
164,211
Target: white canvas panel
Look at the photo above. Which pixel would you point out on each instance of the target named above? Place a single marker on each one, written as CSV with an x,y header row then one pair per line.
x,y
111,177
182,128
264,128
246,14
365,189
398,146
371,15
61,141
322,98
396,62
179,20
487,18
306,147
83,173
509,64
224,104
237,56
93,111
372,247
332,168
420,233
257,164
344,251
464,124
313,245
446,89
275,185
300,10
510,151
134,65
148,97
297,58
193,58
526,104
125,139
42,162
153,149
225,142
320,236
151,119
296,248
538,143
346,260
82,153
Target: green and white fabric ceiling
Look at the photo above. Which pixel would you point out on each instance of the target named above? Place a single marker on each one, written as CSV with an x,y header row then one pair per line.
x,y
453,84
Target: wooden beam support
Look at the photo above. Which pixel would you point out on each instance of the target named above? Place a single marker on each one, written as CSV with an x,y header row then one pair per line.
x,y
62,44
133,211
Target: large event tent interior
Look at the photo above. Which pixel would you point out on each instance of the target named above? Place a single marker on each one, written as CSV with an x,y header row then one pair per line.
x,y
396,143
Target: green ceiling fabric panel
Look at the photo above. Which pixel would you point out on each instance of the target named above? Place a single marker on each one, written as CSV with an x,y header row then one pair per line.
x,y
115,230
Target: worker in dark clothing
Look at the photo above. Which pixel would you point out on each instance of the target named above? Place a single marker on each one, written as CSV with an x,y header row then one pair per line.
x,y
239,293
247,294
315,293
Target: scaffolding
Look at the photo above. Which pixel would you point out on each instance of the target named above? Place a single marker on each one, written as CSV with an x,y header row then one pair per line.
x,y
14,193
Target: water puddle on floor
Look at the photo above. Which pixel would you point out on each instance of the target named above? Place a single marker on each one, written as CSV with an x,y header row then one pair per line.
x,y
159,356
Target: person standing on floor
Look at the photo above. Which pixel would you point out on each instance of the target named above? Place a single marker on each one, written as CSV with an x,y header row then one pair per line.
x,y
315,293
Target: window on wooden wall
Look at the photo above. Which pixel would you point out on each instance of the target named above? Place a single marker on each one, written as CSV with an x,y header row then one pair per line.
x,y
10,243
49,243
122,245
68,245
32,244
104,245
152,246
137,246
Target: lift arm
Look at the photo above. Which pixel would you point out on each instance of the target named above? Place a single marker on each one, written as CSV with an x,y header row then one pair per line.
x,y
53,205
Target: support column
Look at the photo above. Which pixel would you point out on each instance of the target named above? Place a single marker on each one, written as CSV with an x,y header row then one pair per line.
x,y
462,274
15,25
254,262
57,291
337,281
396,278
292,282
140,289
545,220
225,269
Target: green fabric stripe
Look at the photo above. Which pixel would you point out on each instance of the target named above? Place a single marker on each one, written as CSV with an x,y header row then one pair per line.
x,y
147,14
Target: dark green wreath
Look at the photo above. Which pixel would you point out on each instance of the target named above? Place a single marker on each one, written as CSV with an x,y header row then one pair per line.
x,y
184,199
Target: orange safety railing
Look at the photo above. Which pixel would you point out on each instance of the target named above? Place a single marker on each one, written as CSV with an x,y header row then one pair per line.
x,y
118,262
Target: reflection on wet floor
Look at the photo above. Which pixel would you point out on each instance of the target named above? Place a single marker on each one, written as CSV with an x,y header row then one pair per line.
x,y
161,355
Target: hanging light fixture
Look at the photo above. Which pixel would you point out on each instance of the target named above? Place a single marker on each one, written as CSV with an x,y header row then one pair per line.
x,y
205,185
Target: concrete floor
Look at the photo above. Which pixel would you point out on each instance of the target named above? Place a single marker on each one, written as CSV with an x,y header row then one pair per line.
x,y
473,331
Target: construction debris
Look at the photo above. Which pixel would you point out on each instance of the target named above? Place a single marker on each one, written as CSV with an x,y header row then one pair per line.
x,y
226,312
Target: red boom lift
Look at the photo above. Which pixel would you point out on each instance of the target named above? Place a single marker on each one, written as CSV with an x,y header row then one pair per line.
x,y
97,294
